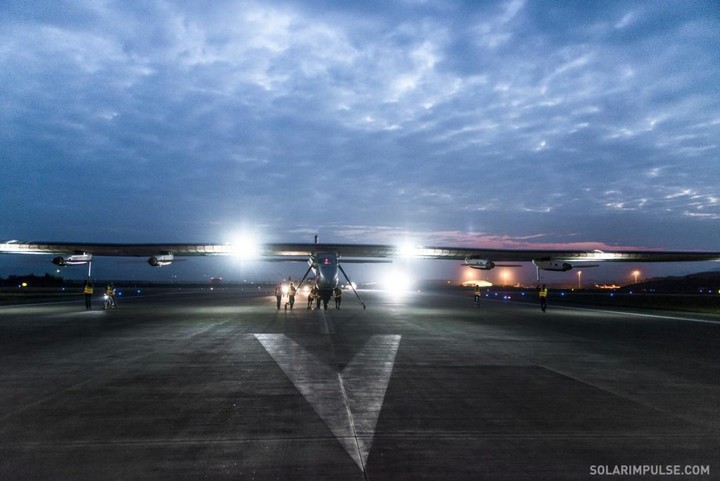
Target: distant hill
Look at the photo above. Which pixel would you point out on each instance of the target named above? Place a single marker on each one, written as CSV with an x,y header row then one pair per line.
x,y
32,280
699,283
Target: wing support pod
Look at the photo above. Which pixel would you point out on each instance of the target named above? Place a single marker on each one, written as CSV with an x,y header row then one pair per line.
x,y
77,259
164,259
484,264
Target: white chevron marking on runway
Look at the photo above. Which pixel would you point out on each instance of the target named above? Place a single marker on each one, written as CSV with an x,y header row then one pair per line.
x,y
349,402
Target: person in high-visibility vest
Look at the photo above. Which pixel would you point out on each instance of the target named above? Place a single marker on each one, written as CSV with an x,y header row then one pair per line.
x,y
110,291
543,293
278,294
88,291
312,295
338,297
291,295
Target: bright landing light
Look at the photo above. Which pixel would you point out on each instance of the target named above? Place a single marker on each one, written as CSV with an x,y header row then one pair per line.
x,y
398,281
245,247
407,250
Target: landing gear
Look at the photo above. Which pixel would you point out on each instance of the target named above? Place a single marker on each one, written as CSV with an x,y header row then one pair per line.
x,y
351,287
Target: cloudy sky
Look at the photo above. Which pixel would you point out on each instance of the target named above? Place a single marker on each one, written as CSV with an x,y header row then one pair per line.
x,y
499,124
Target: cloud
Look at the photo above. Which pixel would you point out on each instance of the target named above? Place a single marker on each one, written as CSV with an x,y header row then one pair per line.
x,y
412,116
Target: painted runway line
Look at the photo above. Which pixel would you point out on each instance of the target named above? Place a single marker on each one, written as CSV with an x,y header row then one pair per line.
x,y
641,314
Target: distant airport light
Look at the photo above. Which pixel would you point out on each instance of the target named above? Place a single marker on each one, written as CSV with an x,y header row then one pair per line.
x,y
635,275
505,275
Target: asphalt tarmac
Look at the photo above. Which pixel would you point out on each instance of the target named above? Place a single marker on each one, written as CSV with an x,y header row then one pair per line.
x,y
420,386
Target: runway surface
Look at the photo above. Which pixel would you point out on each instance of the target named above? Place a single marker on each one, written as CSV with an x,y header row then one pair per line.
x,y
221,385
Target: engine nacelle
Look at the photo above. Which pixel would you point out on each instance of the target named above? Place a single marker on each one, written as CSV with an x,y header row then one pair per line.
x,y
73,260
161,260
552,265
483,264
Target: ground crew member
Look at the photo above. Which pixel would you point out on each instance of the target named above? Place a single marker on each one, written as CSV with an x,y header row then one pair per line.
x,y
88,291
110,291
476,295
278,294
312,295
291,295
543,292
338,297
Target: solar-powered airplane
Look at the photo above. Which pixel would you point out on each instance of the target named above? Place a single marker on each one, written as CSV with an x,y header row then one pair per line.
x,y
325,259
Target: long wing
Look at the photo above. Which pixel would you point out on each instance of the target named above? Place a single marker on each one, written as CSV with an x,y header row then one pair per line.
x,y
522,255
269,251
357,252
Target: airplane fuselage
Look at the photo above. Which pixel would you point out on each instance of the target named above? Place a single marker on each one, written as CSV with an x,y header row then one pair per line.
x,y
326,270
